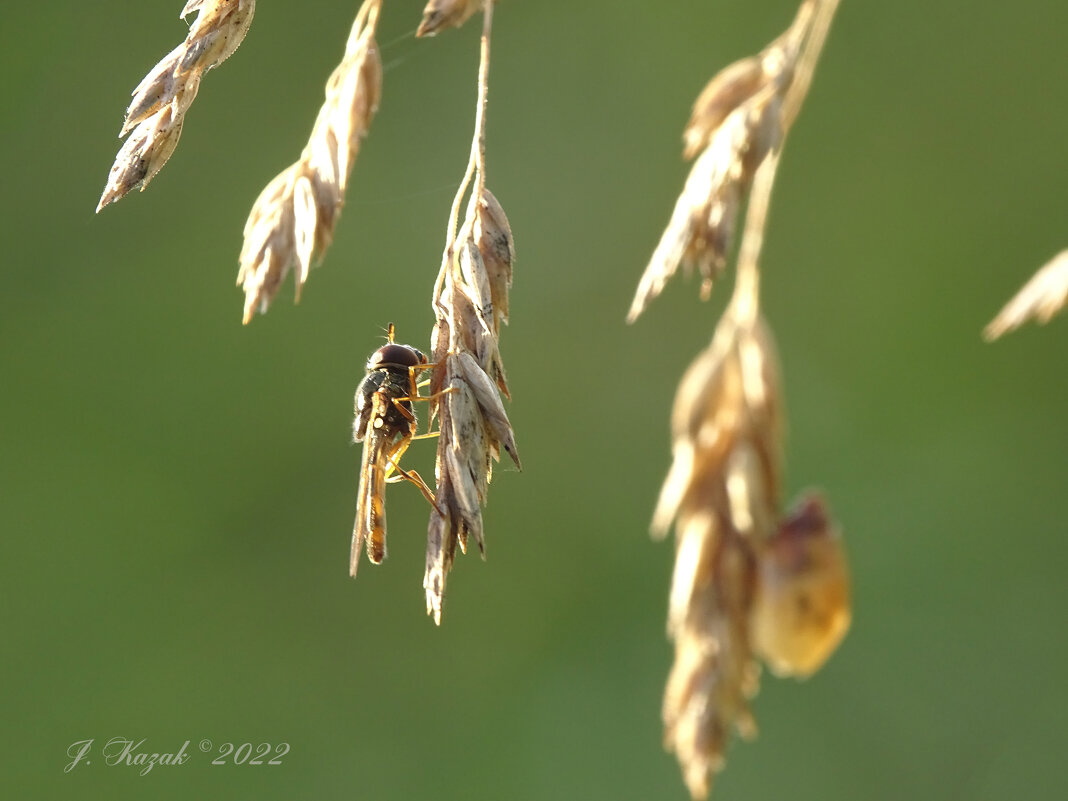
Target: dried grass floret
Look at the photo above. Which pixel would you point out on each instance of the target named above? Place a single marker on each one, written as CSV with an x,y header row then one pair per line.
x,y
749,585
738,120
701,230
292,221
155,116
722,494
467,381
745,585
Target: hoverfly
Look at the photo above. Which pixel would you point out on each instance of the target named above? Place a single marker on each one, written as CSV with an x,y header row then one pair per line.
x,y
385,423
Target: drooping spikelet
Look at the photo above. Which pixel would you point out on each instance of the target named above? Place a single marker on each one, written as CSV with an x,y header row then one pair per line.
x,y
160,101
471,302
737,121
292,221
467,381
750,584
745,585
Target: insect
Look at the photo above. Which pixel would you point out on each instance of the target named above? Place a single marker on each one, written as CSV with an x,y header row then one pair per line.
x,y
385,423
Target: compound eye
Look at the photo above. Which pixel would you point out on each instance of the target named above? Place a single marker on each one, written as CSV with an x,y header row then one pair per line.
x,y
393,354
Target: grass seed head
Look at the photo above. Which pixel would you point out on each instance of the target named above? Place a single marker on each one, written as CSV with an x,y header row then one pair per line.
x,y
701,230
745,585
737,121
713,675
469,376
722,494
730,397
155,115
292,221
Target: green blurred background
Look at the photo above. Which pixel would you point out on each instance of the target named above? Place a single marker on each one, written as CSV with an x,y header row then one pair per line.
x,y
178,490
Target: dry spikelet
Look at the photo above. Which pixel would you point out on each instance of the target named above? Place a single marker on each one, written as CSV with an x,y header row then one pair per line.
x,y
737,120
730,393
292,221
701,230
467,379
471,302
721,492
744,585
1039,299
730,88
441,14
161,100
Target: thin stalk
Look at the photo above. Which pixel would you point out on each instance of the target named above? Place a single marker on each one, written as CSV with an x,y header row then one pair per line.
x,y
745,301
476,162
806,63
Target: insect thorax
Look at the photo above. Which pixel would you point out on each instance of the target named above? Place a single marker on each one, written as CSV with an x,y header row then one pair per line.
x,y
391,383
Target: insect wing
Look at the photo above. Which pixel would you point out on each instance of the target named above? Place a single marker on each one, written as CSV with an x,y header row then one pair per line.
x,y
370,522
365,393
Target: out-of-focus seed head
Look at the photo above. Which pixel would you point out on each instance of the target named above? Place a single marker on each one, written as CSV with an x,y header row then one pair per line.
x,y
745,585
763,134
801,609
701,230
1039,299
729,397
713,675
441,14
722,494
737,121
727,90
